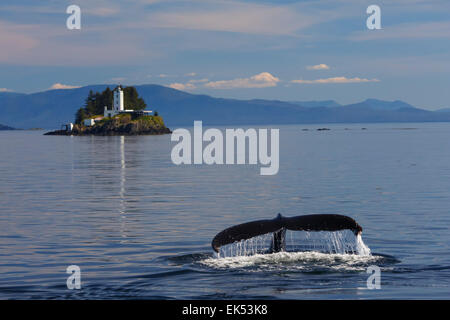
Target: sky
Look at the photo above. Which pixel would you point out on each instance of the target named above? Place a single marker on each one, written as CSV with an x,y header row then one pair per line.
x,y
280,49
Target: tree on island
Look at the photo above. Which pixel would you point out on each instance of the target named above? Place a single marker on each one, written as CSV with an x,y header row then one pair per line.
x,y
132,99
95,103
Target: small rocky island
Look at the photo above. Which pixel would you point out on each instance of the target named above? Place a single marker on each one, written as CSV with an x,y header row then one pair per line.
x,y
116,119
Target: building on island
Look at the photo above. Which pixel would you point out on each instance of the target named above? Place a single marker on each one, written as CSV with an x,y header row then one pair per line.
x,y
119,106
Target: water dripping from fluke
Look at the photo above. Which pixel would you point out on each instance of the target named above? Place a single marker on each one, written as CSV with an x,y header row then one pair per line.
x,y
335,242
324,233
303,251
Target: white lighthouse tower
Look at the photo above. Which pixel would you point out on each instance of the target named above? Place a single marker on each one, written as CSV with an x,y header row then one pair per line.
x,y
118,99
119,107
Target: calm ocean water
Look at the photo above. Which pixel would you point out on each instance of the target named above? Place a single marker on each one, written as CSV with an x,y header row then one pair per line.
x,y
140,227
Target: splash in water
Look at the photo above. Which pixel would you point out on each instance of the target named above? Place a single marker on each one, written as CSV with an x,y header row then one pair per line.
x,y
307,261
337,242
361,247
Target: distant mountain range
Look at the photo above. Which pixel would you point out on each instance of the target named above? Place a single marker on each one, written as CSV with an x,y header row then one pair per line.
x,y
3,127
50,109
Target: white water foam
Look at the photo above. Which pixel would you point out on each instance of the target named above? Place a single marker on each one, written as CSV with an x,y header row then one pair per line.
x,y
294,261
304,251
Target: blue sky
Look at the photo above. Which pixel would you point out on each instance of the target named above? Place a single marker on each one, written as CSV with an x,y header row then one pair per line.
x,y
286,50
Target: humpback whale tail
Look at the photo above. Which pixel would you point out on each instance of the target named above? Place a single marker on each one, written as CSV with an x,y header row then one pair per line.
x,y
279,225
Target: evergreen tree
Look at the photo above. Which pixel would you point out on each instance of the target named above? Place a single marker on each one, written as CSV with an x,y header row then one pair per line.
x,y
98,108
107,99
80,116
89,104
132,99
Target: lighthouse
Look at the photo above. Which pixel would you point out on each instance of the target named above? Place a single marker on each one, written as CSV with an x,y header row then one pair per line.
x,y
118,106
118,99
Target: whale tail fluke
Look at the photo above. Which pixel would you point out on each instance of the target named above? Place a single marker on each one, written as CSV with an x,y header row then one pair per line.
x,y
279,225
245,231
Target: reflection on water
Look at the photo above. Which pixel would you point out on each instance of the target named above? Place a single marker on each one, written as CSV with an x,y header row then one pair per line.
x,y
138,226
122,185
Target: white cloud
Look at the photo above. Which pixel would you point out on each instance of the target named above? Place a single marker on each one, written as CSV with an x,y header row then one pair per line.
x,y
58,86
5,90
335,80
191,74
182,86
190,85
261,80
321,66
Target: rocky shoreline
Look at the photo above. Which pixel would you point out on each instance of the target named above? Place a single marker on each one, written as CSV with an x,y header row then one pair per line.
x,y
118,126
